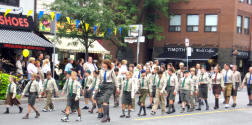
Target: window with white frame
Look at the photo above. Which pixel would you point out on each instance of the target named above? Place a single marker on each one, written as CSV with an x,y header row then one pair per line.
x,y
175,23
192,23
211,23
246,25
239,24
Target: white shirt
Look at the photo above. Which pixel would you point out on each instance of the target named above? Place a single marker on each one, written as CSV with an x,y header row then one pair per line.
x,y
89,66
46,68
31,68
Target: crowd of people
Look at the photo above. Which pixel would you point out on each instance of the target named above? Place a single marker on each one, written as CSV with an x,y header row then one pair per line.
x,y
132,84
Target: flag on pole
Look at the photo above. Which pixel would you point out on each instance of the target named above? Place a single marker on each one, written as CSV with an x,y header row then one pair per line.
x,y
41,13
52,15
29,13
115,31
77,24
87,26
68,20
57,16
7,11
120,30
95,28
109,31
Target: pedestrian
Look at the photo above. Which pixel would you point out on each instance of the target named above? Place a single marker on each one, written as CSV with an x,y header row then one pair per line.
x,y
171,89
31,68
144,88
186,90
91,89
229,83
49,87
46,66
72,89
80,70
217,83
69,65
19,65
57,72
40,58
87,84
153,80
119,80
11,96
247,81
33,90
127,94
160,93
107,79
89,65
64,89
124,68
203,88
40,76
237,80
195,80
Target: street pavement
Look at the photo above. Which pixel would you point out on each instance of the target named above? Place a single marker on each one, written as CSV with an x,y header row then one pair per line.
x,y
241,115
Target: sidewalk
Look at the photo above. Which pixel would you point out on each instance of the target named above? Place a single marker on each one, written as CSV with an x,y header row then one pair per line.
x,y
25,100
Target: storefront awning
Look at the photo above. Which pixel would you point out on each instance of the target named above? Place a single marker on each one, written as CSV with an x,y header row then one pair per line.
x,y
23,40
74,45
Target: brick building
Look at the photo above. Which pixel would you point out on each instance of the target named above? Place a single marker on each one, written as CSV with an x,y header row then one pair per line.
x,y
218,30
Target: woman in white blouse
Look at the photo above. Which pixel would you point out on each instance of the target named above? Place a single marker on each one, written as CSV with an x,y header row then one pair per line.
x,y
31,68
46,66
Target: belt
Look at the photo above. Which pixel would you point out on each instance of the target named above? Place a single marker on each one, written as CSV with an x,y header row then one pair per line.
x,y
106,82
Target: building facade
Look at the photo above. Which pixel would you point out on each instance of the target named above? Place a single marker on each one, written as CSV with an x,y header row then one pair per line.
x,y
218,31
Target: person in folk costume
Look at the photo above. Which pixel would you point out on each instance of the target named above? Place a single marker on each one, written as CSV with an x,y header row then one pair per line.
x,y
203,88
248,82
237,79
95,96
153,80
160,93
144,86
217,83
186,90
33,90
73,90
180,74
107,79
135,79
48,88
115,94
228,82
149,75
11,96
166,74
67,78
127,93
195,80
171,89
87,84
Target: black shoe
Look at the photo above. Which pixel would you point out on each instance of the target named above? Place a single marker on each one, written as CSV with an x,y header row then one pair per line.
x,y
6,112
198,109
179,102
234,105
85,107
100,115
20,109
149,107
144,114
122,116
37,114
215,107
128,116
249,104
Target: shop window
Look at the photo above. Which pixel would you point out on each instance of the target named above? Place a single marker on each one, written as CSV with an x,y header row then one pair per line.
x,y
175,23
10,2
192,23
246,25
211,23
239,24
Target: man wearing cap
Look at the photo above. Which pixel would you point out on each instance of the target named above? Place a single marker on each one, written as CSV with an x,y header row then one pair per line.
x,y
248,81
49,86
228,82
87,84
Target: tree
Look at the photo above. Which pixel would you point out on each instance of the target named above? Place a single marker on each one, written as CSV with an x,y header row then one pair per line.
x,y
90,13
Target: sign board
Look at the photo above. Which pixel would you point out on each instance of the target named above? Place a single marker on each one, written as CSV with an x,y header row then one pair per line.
x,y
130,39
141,39
16,22
189,51
135,30
187,42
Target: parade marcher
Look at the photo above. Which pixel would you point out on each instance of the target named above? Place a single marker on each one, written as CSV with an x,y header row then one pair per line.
x,y
195,80
160,93
180,75
11,96
237,80
88,81
156,64
49,87
127,92
107,79
229,83
247,81
144,88
186,90
136,76
217,83
171,89
72,89
33,90
153,80
94,95
119,80
203,88
64,89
